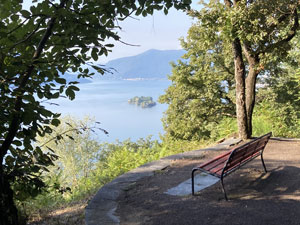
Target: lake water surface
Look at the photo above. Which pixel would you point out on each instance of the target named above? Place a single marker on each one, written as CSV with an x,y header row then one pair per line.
x,y
107,102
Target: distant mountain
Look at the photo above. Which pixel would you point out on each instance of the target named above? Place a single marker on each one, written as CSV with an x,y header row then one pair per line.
x,y
152,64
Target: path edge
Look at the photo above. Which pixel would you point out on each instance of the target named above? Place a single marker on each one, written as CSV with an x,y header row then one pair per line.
x,y
103,205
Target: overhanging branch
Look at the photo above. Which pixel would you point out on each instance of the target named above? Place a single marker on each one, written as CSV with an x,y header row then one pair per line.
x,y
15,121
292,34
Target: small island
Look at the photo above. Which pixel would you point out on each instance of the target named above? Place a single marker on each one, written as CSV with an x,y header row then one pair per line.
x,y
144,102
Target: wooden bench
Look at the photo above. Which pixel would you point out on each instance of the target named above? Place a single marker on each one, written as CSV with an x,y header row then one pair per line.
x,y
230,161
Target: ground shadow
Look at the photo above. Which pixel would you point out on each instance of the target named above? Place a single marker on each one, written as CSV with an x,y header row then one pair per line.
x,y
255,198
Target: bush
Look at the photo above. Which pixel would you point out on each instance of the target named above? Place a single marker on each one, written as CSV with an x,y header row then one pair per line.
x,y
282,120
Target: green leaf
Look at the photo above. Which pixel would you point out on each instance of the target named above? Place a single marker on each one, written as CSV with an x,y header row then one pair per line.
x,y
60,80
55,95
9,160
45,112
55,122
40,94
17,143
165,11
74,88
29,98
70,93
25,13
109,45
94,54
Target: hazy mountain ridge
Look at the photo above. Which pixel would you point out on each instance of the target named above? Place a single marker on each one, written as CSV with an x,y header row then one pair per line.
x,y
152,64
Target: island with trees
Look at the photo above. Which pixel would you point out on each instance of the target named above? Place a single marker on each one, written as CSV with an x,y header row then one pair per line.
x,y
144,102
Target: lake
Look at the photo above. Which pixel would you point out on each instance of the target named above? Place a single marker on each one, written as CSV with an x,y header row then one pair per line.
x,y
107,102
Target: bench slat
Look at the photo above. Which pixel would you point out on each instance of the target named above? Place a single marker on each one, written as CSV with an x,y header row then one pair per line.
x,y
246,152
230,167
243,154
218,170
215,159
221,161
228,162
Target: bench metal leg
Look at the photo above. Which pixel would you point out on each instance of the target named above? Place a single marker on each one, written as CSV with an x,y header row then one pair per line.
x,y
193,188
222,184
262,160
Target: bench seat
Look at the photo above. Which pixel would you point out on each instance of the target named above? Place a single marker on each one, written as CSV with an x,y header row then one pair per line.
x,y
228,162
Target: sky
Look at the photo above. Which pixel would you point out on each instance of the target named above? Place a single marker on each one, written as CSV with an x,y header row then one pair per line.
x,y
157,31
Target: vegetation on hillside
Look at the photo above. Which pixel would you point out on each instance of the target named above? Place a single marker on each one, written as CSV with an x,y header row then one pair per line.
x,y
84,164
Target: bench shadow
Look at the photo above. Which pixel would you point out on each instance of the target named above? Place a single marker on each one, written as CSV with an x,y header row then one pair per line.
x,y
282,182
254,198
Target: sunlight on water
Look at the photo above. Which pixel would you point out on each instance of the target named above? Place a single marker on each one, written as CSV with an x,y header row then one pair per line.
x,y
107,102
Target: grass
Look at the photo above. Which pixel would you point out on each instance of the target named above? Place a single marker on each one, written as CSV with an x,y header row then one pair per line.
x,y
69,214
52,208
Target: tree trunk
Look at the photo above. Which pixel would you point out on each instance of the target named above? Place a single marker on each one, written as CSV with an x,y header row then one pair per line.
x,y
8,210
253,61
240,90
7,207
250,96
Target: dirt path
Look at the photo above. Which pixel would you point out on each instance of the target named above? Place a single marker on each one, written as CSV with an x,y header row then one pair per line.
x,y
255,197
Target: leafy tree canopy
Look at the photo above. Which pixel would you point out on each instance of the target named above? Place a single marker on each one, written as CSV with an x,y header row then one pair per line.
x,y
233,46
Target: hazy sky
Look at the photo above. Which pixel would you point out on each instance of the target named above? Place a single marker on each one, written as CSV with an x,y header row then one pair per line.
x,y
152,32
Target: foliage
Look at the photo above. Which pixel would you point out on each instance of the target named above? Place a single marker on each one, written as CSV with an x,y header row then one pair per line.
x,y
84,164
279,99
120,157
268,117
282,119
202,86
279,105
233,46
77,150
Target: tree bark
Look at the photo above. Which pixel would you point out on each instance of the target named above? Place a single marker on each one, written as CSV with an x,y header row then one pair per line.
x,y
250,88
254,70
239,72
250,97
8,210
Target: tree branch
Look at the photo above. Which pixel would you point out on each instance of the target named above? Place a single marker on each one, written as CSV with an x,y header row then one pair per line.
x,y
292,34
16,116
26,19
29,36
17,27
226,69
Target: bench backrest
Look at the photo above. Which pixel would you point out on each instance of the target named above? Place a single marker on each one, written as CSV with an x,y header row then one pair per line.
x,y
244,153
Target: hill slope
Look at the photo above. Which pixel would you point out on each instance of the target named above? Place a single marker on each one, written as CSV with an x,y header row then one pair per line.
x,y
152,64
